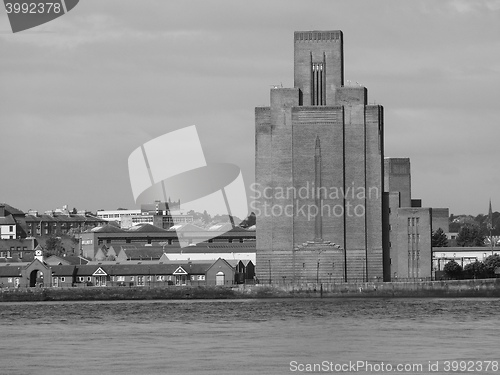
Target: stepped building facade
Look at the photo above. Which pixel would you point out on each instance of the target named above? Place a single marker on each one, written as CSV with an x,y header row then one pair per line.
x,y
319,172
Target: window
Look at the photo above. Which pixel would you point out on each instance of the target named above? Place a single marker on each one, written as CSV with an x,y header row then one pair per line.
x,y
9,255
89,278
63,279
21,255
131,278
81,279
120,278
11,228
2,254
9,280
25,248
201,277
160,278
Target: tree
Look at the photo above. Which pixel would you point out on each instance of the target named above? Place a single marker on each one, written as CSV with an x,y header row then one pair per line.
x,y
439,238
249,221
452,269
206,217
470,235
54,246
491,263
476,270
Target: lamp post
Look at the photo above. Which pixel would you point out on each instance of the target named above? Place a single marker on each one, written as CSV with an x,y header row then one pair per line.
x,y
317,273
270,277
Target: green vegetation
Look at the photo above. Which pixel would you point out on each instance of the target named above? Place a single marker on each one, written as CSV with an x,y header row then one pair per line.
x,y
439,238
452,269
476,270
470,235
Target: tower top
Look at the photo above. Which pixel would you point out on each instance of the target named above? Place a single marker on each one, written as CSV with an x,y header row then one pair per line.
x,y
316,35
318,66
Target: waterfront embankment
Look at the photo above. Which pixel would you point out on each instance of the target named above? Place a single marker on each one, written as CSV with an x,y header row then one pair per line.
x,y
448,288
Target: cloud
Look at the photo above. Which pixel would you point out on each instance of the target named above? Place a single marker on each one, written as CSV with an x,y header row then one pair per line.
x,y
89,87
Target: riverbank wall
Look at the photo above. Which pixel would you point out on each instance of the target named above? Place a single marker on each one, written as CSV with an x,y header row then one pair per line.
x,y
420,289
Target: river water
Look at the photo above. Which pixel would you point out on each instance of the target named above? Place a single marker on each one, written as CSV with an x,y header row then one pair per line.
x,y
266,336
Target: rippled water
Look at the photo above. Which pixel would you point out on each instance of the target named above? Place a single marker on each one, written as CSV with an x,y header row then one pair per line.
x,y
243,336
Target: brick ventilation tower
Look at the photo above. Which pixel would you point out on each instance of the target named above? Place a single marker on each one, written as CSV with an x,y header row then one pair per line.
x,y
319,172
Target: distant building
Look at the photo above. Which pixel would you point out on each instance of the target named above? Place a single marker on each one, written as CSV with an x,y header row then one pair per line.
x,y
56,224
461,255
38,273
408,227
161,214
17,250
91,241
9,226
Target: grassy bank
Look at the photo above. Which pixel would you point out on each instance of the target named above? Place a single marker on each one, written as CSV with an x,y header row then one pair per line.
x,y
115,293
452,288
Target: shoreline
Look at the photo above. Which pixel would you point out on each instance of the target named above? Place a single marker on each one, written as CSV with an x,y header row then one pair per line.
x,y
424,289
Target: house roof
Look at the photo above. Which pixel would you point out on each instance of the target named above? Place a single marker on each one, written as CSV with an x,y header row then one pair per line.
x,y
67,260
89,269
215,247
233,262
60,218
221,227
12,210
144,253
63,270
132,268
186,227
145,228
219,261
108,228
7,220
10,271
141,269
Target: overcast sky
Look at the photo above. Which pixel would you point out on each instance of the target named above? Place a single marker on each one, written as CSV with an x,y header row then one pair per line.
x,y
80,93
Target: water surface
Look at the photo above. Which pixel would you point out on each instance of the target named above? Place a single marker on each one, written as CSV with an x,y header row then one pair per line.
x,y
244,336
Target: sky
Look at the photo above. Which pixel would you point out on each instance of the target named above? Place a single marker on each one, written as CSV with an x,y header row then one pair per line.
x,y
79,94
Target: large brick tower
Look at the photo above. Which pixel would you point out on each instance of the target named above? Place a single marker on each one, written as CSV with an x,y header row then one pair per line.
x,y
319,172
